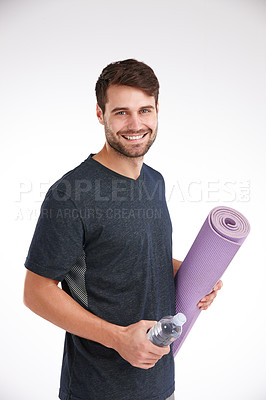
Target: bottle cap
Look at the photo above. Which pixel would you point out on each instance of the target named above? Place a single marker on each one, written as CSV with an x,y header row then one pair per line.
x,y
179,319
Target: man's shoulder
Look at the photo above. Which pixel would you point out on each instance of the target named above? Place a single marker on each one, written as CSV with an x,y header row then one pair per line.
x,y
74,179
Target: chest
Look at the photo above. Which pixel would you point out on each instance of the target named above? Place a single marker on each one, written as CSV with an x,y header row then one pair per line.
x,y
128,215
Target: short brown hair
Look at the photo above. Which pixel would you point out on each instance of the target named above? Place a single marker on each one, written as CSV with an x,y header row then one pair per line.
x,y
130,73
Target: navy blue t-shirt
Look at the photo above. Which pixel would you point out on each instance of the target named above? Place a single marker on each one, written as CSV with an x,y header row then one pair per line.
x,y
108,239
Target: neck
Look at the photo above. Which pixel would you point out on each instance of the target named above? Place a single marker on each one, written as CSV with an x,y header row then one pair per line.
x,y
117,162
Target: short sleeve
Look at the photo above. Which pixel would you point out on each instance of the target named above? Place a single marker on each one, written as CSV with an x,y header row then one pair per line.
x,y
58,238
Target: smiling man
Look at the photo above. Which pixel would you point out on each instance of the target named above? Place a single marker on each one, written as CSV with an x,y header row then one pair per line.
x,y
105,233
129,130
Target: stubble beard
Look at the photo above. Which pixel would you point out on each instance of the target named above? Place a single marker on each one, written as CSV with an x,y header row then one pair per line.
x,y
136,150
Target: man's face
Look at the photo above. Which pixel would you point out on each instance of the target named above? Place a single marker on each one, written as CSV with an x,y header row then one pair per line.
x,y
130,120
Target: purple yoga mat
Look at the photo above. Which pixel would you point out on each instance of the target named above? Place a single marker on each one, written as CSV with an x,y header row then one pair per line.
x,y
217,242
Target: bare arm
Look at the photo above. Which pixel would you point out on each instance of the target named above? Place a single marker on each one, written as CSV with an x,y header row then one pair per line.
x,y
44,297
176,266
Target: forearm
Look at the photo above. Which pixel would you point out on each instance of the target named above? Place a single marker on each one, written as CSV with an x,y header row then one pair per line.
x,y
176,265
47,300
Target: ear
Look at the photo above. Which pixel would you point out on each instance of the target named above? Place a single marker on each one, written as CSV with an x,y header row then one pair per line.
x,y
157,107
99,114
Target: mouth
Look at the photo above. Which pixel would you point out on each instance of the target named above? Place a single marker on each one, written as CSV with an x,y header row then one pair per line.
x,y
134,138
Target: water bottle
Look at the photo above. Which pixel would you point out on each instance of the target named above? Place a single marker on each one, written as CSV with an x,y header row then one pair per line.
x,y
167,330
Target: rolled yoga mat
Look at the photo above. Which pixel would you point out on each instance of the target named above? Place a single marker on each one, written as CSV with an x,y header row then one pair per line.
x,y
217,242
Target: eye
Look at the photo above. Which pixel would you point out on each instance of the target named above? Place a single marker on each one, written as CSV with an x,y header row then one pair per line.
x,y
145,111
121,113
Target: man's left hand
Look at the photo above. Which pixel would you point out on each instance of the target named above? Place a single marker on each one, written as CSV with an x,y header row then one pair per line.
x,y
207,300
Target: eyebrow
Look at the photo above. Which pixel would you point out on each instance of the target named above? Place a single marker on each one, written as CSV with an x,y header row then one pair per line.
x,y
126,108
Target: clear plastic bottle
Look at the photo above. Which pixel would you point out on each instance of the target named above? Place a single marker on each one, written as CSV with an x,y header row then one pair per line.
x,y
168,329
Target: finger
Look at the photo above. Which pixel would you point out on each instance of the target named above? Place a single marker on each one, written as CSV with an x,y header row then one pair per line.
x,y
158,351
151,359
154,357
146,324
207,299
204,308
218,286
204,304
211,296
143,364
146,365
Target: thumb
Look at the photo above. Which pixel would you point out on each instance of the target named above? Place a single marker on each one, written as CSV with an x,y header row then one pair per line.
x,y
149,324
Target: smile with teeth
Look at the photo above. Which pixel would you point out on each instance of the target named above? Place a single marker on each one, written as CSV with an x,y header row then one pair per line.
x,y
134,137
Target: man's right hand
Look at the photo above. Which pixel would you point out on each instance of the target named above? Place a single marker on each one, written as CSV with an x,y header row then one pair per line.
x,y
134,346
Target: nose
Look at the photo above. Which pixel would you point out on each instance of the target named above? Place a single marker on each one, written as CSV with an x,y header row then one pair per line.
x,y
133,122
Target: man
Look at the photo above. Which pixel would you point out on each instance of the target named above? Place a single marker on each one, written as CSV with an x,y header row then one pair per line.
x,y
104,232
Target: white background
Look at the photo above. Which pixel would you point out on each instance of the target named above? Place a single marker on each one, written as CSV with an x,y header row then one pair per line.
x,y
210,58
